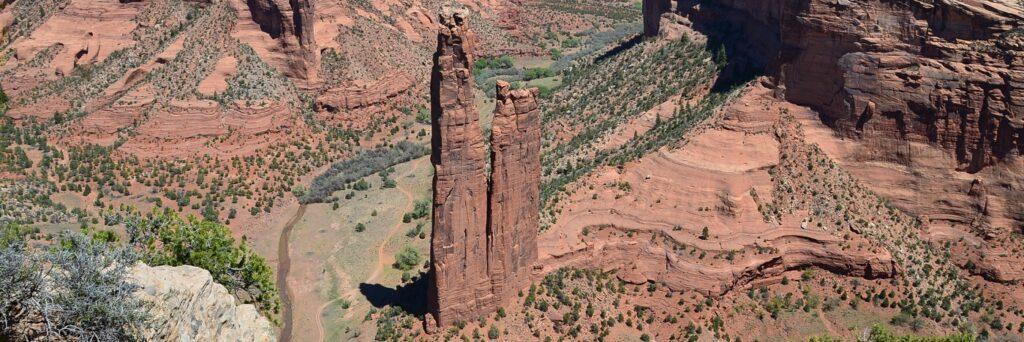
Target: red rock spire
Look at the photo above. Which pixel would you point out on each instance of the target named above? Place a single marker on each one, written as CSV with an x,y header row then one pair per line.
x,y
484,240
515,193
459,286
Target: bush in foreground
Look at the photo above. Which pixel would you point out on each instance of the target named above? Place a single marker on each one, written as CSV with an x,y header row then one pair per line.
x,y
76,289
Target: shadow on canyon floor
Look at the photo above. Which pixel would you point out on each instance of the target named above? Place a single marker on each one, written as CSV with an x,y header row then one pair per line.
x,y
411,297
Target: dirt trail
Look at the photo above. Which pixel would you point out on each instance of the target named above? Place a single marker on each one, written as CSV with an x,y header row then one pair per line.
x,y
410,202
284,264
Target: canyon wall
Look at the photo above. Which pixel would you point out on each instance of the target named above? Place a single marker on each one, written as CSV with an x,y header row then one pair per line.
x,y
926,96
652,11
949,73
484,240
290,23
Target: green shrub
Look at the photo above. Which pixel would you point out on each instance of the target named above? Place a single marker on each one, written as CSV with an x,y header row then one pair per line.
x,y
77,289
493,332
535,73
407,259
167,239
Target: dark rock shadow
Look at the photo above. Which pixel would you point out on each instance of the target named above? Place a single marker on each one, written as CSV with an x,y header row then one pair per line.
x,y
410,297
625,45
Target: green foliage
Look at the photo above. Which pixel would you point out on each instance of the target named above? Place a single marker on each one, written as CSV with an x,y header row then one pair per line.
x,y
418,231
423,115
3,102
77,289
420,210
13,233
535,73
571,42
363,164
360,227
407,259
493,332
501,62
361,185
880,333
392,322
555,54
721,56
167,239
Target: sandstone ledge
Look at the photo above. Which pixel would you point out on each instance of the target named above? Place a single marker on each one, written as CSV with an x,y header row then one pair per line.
x,y
189,306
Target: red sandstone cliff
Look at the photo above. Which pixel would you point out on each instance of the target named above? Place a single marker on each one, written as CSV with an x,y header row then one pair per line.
x,y
291,24
950,73
931,90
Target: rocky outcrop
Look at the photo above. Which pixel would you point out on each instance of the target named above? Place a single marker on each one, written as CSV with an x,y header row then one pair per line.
x,y
484,240
950,73
459,286
652,11
189,306
514,194
291,24
360,94
638,257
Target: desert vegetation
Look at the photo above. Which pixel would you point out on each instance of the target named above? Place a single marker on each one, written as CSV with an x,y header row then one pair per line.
x,y
73,289
29,14
347,173
600,96
164,238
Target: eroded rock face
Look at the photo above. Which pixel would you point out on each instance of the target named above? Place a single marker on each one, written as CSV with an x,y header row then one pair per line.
x,y
652,11
460,286
514,194
190,306
291,23
950,73
484,240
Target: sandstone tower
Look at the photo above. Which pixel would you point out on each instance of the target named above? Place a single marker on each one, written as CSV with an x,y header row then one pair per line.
x,y
514,218
484,239
652,11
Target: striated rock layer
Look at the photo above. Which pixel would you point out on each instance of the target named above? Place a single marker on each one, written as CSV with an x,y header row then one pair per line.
x,y
190,306
459,286
950,73
484,240
514,194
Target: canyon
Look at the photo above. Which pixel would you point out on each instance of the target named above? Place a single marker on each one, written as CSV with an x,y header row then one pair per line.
x,y
649,167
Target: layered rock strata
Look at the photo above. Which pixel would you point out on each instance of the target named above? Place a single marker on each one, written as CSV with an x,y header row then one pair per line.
x,y
484,234
950,73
